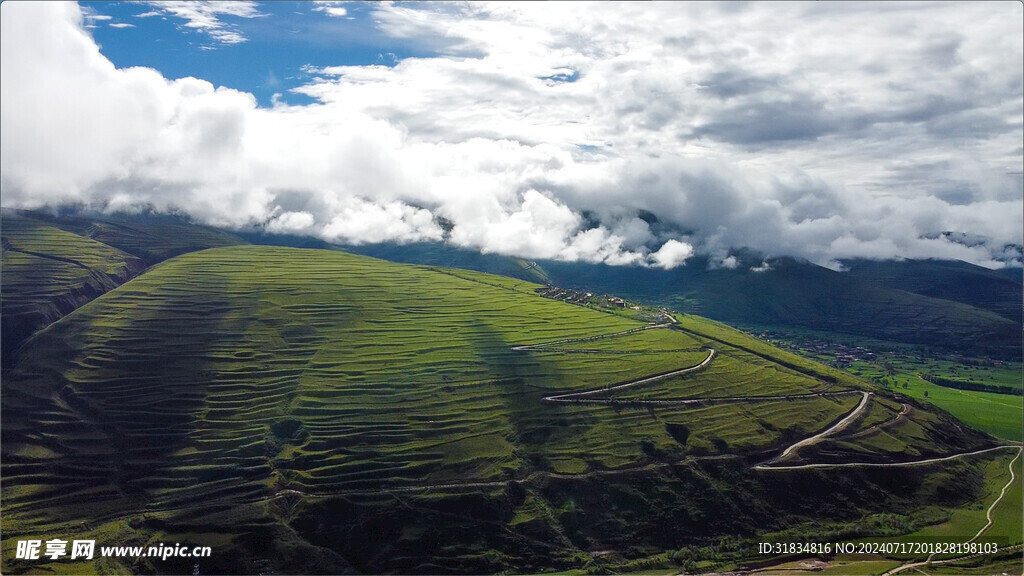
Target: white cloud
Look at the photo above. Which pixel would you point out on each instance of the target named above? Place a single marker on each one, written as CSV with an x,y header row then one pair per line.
x,y
671,254
630,133
336,9
121,25
291,222
205,16
359,221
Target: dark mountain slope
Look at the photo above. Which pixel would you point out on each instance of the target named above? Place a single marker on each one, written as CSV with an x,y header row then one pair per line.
x,y
998,291
149,236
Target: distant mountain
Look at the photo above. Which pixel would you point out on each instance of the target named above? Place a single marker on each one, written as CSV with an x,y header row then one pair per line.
x,y
801,294
289,240
996,290
947,305
1015,275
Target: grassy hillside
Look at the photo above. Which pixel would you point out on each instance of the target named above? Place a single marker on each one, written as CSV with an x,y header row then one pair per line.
x,y
313,411
53,264
48,272
151,237
948,305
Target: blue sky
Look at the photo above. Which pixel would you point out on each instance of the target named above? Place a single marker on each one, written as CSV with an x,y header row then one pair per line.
x,y
279,44
544,130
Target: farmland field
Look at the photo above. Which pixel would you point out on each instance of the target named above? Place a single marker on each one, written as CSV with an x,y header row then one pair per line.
x,y
903,369
999,414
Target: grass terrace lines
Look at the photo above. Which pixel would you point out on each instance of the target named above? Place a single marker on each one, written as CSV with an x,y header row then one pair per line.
x,y
226,378
317,370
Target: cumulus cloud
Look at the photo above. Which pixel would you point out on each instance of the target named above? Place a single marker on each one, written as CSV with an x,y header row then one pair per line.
x,y
625,134
359,221
671,254
291,222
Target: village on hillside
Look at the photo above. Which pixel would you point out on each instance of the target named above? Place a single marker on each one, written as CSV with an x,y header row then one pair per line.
x,y
606,302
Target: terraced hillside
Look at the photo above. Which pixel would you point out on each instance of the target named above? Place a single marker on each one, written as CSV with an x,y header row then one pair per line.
x,y
54,264
951,306
150,237
313,411
48,272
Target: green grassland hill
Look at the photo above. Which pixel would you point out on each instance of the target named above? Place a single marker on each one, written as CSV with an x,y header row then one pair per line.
x,y
950,306
311,411
48,272
53,264
152,237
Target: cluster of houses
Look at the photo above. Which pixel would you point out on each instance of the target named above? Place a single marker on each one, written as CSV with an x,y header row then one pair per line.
x,y
565,294
579,297
844,355
603,301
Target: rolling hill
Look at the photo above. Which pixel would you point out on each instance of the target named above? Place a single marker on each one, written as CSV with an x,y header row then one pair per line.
x,y
949,306
310,411
53,264
149,236
48,272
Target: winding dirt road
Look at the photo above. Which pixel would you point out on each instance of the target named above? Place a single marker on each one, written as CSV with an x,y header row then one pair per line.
x,y
887,464
585,397
988,517
904,412
574,396
837,427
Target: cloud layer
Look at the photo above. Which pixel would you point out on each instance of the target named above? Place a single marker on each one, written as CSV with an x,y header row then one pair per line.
x,y
617,133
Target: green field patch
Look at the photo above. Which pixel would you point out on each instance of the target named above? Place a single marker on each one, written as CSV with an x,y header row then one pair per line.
x,y
999,414
732,373
964,522
643,340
